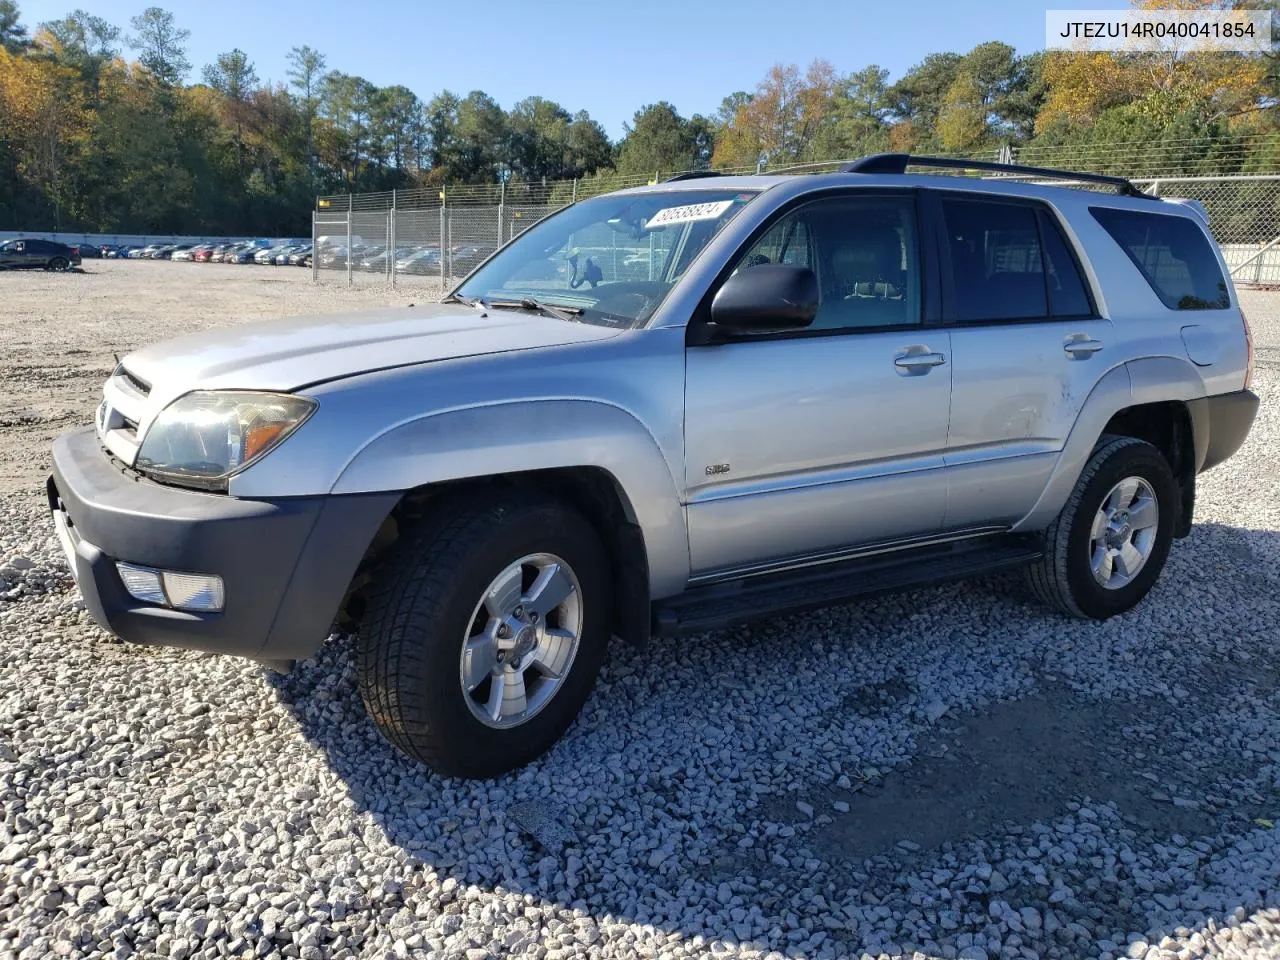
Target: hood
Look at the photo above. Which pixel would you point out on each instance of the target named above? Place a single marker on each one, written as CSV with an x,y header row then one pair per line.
x,y
288,354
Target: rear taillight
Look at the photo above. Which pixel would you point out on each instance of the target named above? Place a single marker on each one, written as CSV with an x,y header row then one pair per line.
x,y
1248,346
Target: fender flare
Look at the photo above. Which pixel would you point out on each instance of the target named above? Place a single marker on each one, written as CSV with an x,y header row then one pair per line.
x,y
520,436
1147,380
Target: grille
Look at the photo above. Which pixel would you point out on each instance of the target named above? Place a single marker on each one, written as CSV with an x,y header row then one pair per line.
x,y
139,386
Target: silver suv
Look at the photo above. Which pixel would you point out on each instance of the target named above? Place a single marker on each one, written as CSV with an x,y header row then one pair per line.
x,y
670,409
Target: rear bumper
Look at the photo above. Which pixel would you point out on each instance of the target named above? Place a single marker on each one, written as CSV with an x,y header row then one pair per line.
x,y
1221,423
285,564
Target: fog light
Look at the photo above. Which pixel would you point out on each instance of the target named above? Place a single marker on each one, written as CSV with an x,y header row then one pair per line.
x,y
193,591
143,583
183,591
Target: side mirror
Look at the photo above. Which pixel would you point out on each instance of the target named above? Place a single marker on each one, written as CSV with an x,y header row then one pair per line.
x,y
768,298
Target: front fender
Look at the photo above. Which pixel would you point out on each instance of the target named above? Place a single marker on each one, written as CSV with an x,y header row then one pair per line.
x,y
494,439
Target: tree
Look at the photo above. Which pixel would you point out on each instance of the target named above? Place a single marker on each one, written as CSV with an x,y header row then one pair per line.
x,y
306,68
962,120
13,35
233,76
162,45
786,118
83,42
918,96
659,139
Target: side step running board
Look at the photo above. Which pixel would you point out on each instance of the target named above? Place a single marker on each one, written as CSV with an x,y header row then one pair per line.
x,y
721,605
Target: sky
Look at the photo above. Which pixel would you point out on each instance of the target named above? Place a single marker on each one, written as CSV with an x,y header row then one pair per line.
x,y
607,58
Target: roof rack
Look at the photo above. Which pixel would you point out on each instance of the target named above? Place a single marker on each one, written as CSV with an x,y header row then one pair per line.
x,y
898,163
692,175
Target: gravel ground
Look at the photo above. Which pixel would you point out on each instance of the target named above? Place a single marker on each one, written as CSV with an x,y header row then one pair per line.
x,y
949,773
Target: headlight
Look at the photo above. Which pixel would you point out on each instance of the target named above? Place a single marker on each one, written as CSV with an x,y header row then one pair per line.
x,y
201,439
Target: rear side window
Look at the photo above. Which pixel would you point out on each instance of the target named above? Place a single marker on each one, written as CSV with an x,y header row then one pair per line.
x,y
1172,254
1009,262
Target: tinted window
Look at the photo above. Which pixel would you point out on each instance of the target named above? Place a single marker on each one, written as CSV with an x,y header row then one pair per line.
x,y
1067,294
996,263
1172,253
864,252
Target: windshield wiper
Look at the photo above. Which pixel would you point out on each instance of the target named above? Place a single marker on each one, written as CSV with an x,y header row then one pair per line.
x,y
476,304
568,314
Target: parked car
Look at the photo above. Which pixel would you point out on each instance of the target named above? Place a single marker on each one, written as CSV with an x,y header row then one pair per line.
x,y
201,254
29,253
241,254
297,256
834,385
284,257
89,251
376,261
421,261
144,253
301,259
464,258
183,251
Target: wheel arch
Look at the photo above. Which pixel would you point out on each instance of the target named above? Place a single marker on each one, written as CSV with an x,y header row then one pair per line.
x,y
1155,399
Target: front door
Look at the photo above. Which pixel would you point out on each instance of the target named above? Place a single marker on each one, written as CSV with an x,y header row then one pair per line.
x,y
803,445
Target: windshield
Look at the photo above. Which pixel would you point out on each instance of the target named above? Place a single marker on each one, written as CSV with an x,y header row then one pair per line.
x,y
614,258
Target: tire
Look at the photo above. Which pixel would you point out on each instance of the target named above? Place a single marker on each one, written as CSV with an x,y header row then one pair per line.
x,y
1065,578
430,599
59,264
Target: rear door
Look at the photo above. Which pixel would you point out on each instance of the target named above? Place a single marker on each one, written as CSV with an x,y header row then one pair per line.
x,y
1028,346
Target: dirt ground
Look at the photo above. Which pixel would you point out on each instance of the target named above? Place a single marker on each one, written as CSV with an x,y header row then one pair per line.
x,y
61,330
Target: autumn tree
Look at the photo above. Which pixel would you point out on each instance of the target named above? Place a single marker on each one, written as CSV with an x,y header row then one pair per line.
x,y
233,76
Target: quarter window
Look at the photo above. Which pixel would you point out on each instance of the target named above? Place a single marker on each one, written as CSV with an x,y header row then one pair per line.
x,y
864,252
1172,254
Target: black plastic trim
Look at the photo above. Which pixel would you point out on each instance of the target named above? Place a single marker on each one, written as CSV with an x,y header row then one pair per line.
x,y
1229,417
897,163
728,603
284,563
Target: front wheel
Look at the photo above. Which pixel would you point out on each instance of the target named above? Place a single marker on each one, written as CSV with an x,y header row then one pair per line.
x,y
1106,548
484,638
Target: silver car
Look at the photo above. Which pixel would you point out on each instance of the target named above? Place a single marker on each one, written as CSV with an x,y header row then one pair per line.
x,y
670,409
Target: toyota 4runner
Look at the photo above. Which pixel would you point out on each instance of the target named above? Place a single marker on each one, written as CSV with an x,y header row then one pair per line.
x,y
670,409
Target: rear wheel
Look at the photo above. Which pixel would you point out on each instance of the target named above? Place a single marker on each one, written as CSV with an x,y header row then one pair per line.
x,y
1106,548
58,263
485,636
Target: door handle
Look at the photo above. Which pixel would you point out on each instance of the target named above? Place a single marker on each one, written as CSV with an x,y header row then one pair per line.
x,y
908,362
1080,345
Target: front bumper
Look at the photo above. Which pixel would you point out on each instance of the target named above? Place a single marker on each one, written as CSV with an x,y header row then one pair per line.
x,y
285,564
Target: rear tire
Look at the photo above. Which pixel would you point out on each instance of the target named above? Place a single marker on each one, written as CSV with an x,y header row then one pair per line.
x,y
431,651
1106,548
59,264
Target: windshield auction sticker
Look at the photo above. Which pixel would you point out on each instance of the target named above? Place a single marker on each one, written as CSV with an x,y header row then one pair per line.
x,y
1157,31
669,216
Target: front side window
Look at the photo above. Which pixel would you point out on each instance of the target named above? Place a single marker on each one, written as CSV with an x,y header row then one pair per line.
x,y
1172,254
865,255
614,258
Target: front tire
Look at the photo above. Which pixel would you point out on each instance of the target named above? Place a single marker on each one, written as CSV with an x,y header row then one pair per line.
x,y
1106,548
484,637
